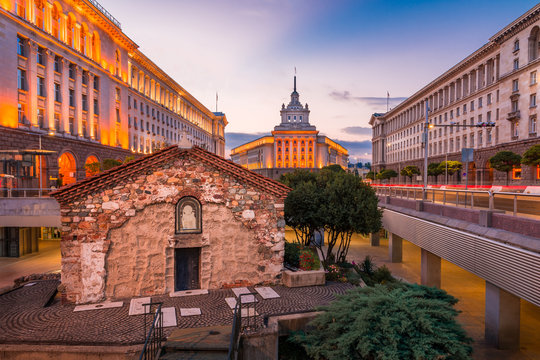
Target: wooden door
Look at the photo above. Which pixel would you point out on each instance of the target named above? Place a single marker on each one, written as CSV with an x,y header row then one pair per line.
x,y
186,269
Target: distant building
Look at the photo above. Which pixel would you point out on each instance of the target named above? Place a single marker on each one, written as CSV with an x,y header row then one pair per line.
x,y
294,143
497,83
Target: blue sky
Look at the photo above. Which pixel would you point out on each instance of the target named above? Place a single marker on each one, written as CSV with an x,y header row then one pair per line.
x,y
348,54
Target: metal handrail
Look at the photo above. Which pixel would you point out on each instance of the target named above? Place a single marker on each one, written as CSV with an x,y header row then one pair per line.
x,y
237,327
154,338
43,192
399,191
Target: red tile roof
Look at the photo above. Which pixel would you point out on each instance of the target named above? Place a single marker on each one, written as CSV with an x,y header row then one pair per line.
x,y
119,173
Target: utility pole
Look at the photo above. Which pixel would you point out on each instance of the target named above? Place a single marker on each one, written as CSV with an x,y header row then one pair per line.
x,y
426,128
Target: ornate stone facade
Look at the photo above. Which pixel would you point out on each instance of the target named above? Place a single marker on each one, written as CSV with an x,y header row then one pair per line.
x,y
496,84
119,239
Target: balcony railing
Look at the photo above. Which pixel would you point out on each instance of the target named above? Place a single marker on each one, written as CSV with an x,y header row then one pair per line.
x,y
105,12
24,192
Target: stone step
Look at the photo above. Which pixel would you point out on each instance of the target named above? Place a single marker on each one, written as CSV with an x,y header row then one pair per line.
x,y
207,339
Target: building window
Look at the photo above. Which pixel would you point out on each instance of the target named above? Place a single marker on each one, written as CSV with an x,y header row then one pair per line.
x,y
515,85
72,71
515,129
488,136
40,86
96,107
21,50
514,105
40,56
472,105
85,102
488,100
516,45
464,108
117,115
532,124
21,79
516,64
96,83
516,173
58,64
134,103
480,140
117,94
41,117
57,92
533,78
57,121
532,102
71,97
22,114
85,77
20,8
71,125
480,102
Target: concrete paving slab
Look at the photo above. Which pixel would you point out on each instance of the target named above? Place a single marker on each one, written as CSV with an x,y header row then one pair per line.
x,y
136,306
100,306
245,299
190,312
267,292
189,292
248,312
169,316
231,302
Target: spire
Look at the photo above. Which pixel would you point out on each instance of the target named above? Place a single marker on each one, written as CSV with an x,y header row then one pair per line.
x,y
294,83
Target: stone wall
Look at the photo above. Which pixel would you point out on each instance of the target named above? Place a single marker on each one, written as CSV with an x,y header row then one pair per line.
x,y
119,242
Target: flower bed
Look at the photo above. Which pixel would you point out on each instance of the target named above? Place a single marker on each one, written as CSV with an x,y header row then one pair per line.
x,y
304,267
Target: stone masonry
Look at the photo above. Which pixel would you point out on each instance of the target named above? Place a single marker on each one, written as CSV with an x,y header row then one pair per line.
x,y
118,240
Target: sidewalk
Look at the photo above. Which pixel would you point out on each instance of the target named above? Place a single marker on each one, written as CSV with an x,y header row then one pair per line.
x,y
46,260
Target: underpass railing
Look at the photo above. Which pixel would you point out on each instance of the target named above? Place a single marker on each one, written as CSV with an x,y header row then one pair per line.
x,y
516,203
24,192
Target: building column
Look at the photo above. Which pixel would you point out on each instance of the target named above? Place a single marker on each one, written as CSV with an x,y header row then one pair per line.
x,y
49,81
64,88
90,112
31,79
78,102
395,248
430,273
502,318
375,238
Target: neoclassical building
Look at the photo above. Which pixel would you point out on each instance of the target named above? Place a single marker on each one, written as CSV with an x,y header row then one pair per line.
x,y
497,83
75,83
294,143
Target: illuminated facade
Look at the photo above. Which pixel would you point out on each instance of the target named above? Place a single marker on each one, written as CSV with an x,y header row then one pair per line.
x,y
497,83
74,81
294,143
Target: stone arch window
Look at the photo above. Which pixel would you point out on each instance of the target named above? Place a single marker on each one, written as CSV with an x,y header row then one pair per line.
x,y
39,14
117,62
534,43
56,21
96,47
71,30
188,216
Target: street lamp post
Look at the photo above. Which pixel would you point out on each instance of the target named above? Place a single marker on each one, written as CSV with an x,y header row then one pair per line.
x,y
426,127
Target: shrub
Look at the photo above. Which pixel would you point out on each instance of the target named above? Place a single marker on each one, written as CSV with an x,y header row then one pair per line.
x,y
309,260
371,274
397,321
292,254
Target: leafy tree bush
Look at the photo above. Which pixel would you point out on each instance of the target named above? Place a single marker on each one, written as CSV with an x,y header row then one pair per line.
x,y
397,321
453,167
292,254
386,174
370,175
371,274
531,157
297,177
335,168
434,169
109,164
504,161
409,171
303,211
309,260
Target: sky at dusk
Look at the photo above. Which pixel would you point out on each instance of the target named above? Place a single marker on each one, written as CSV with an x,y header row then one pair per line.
x,y
348,54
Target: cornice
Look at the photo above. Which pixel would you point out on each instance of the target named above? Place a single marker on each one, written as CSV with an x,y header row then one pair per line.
x,y
517,25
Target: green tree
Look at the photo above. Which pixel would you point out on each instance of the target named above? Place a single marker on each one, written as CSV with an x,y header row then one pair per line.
x,y
348,206
453,167
531,157
370,175
303,211
335,168
395,321
298,176
109,164
434,169
386,174
505,161
409,171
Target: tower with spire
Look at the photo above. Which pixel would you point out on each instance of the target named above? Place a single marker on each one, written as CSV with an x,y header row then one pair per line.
x,y
295,116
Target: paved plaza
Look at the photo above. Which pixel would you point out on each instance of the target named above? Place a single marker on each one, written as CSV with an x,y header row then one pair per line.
x,y
25,320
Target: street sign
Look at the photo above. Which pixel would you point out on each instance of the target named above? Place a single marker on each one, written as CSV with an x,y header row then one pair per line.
x,y
467,155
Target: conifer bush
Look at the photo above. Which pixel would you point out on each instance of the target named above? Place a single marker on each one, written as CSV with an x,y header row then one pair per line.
x,y
394,321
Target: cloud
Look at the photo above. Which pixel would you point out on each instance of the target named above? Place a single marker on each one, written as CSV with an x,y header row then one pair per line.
x,y
357,130
370,101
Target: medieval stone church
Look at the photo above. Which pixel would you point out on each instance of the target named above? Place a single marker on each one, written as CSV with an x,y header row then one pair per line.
x,y
179,219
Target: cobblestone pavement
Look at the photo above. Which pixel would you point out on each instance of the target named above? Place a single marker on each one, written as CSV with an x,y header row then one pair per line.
x,y
24,319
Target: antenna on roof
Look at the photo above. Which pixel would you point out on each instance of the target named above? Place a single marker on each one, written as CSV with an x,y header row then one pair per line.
x,y
295,78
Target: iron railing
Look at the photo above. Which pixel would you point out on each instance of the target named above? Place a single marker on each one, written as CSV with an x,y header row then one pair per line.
x,y
154,337
105,12
245,319
516,203
24,192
